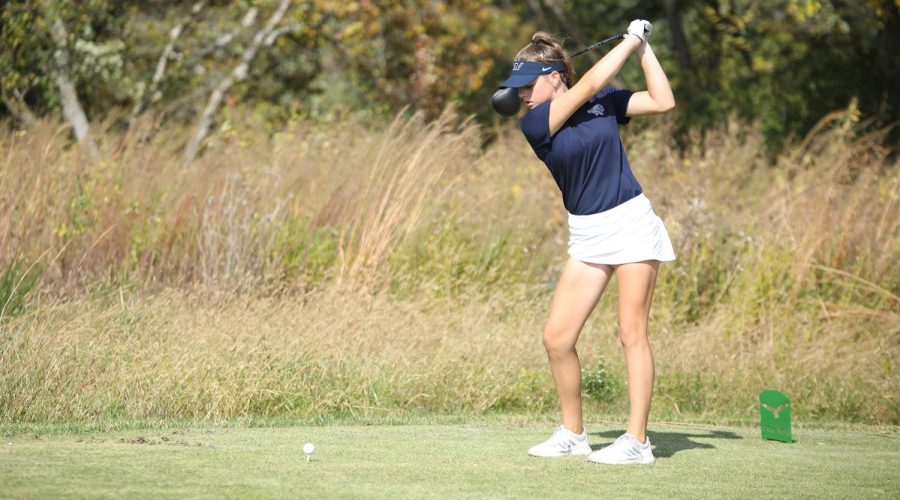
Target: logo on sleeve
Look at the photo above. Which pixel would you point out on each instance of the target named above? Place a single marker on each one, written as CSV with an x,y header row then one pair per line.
x,y
596,110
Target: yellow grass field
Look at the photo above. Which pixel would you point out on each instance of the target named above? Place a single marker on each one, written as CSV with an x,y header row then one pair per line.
x,y
371,268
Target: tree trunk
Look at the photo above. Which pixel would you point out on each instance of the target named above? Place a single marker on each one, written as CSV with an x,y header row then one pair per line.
x,y
682,49
72,109
889,67
237,74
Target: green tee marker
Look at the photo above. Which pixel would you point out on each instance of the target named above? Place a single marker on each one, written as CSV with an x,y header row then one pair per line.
x,y
775,416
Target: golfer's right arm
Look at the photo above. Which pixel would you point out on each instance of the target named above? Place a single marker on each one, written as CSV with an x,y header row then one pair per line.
x,y
562,107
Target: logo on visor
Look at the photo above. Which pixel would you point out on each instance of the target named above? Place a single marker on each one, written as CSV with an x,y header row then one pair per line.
x,y
545,69
517,66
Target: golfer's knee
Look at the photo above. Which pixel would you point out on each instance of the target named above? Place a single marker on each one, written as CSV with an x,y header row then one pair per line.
x,y
633,332
556,342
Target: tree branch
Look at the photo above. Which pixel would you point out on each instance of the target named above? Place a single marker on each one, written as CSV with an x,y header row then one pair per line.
x,y
150,94
270,39
227,38
237,74
18,107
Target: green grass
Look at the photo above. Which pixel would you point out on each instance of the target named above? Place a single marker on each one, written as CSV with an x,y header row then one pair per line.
x,y
479,457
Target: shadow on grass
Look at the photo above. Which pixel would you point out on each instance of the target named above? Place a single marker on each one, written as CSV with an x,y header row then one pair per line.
x,y
666,444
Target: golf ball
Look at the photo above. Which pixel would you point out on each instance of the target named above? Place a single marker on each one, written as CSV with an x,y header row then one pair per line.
x,y
309,448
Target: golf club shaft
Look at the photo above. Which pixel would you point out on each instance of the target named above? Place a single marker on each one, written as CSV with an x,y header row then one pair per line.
x,y
601,42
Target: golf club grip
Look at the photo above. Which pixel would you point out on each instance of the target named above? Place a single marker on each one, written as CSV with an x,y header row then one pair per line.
x,y
601,42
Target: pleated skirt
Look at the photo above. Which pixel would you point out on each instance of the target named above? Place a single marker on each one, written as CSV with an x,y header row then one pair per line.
x,y
630,232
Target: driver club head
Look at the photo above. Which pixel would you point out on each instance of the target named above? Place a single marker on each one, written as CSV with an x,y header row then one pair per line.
x,y
506,101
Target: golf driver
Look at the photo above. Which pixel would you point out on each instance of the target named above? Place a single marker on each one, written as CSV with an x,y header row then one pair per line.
x,y
506,100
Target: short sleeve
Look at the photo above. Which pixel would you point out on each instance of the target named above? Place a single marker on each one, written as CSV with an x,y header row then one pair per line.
x,y
536,127
620,98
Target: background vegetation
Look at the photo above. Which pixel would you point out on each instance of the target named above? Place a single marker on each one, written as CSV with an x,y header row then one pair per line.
x,y
413,273
344,243
781,63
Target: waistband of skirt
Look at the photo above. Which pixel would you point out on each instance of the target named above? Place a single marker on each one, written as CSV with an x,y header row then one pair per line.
x,y
639,202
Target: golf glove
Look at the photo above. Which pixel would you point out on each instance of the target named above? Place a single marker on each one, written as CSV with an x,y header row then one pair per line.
x,y
640,29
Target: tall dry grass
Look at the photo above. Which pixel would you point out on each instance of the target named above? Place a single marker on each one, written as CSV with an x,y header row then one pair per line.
x,y
359,268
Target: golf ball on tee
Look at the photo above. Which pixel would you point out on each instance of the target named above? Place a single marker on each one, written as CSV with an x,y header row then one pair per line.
x,y
309,448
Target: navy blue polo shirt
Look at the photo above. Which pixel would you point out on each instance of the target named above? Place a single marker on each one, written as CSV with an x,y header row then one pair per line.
x,y
586,156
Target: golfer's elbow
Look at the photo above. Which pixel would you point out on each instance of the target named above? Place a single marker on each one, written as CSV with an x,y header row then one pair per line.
x,y
653,103
667,105
662,104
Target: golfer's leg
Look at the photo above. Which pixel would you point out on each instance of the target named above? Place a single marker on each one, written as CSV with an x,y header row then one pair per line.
x,y
636,282
580,287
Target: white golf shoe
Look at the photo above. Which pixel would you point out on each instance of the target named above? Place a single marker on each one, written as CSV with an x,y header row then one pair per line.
x,y
625,450
563,442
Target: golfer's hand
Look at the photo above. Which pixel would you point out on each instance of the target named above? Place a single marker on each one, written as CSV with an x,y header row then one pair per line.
x,y
639,28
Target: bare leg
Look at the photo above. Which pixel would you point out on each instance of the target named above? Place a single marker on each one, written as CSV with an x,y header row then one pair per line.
x,y
636,283
580,287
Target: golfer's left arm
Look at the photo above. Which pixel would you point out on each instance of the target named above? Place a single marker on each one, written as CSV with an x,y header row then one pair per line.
x,y
658,97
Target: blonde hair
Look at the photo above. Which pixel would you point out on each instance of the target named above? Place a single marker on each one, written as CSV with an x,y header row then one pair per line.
x,y
546,48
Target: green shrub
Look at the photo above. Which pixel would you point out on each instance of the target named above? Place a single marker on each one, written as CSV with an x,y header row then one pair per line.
x,y
15,285
599,384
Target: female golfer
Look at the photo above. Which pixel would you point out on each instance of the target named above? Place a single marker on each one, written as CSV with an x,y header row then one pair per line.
x,y
572,128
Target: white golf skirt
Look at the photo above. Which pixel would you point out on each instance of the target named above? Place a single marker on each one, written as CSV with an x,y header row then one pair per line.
x,y
630,232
